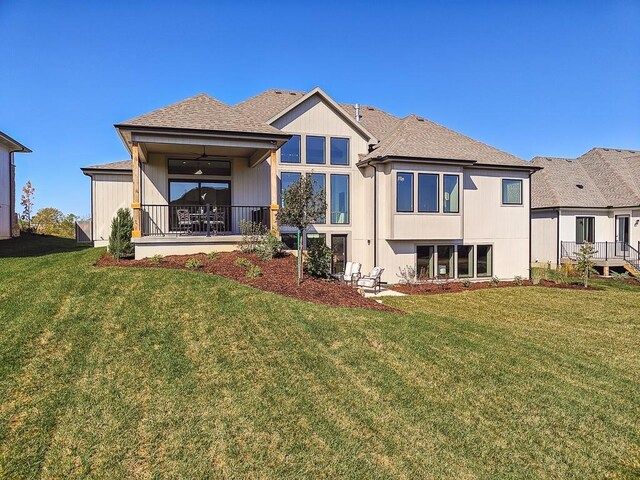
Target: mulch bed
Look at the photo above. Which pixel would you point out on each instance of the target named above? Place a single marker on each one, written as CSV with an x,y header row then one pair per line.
x,y
278,276
455,287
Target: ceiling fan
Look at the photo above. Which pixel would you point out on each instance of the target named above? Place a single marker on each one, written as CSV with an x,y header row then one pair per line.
x,y
204,155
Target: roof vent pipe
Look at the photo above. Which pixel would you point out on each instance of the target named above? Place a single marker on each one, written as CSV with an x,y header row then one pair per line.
x,y
357,107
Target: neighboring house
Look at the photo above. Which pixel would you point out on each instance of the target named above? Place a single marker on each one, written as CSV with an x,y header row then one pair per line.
x,y
400,192
8,146
594,198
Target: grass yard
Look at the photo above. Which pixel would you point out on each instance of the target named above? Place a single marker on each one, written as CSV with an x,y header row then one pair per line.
x,y
145,373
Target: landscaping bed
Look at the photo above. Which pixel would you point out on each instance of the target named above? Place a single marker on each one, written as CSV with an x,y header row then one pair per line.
x,y
278,276
456,287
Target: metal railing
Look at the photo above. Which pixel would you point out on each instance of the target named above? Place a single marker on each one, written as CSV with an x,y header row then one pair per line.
x,y
604,251
207,220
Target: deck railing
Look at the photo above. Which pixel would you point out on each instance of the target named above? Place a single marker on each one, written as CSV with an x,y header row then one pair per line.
x,y
604,251
207,220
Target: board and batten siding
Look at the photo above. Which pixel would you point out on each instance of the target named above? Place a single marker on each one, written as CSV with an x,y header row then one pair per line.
x,y
110,193
544,237
5,193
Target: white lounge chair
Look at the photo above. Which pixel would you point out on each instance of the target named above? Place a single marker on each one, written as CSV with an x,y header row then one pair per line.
x,y
372,280
353,273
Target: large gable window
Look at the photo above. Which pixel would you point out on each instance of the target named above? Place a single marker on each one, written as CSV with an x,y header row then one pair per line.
x,y
290,151
315,149
339,151
511,192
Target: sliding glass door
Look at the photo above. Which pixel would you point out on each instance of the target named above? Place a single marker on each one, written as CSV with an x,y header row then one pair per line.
x,y
193,196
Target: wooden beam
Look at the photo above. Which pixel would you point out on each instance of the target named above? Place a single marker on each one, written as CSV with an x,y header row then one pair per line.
x,y
257,158
274,192
142,153
135,170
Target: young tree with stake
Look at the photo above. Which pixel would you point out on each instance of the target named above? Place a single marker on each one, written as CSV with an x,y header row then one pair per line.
x,y
302,205
584,262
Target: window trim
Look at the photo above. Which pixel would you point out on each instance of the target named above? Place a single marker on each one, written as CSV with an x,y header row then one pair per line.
x,y
490,275
331,138
306,149
437,175
584,240
330,190
299,150
412,192
444,176
472,269
511,204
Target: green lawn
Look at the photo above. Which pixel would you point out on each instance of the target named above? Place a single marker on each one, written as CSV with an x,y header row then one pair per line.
x,y
142,373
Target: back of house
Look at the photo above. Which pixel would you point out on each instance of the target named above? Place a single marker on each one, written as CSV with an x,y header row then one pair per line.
x,y
401,192
8,147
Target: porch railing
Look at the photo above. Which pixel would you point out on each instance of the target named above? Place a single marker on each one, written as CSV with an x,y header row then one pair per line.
x,y
605,251
207,220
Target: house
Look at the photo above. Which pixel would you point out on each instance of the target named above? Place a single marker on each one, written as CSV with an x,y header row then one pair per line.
x,y
594,198
400,191
8,147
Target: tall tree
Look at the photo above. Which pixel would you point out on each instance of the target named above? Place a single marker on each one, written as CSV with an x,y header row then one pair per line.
x,y
303,204
26,200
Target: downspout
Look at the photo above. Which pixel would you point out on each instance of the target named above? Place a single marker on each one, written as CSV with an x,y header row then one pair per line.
x,y
558,239
375,212
530,228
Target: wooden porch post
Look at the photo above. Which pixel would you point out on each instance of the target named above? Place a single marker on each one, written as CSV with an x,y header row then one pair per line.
x,y
135,160
274,193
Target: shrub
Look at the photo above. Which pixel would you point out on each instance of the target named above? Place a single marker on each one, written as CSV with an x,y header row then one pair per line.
x,y
212,255
466,283
156,259
517,280
495,281
407,274
243,262
120,245
194,264
254,271
319,260
269,246
252,233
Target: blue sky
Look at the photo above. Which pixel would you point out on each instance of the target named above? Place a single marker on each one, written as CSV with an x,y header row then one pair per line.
x,y
532,78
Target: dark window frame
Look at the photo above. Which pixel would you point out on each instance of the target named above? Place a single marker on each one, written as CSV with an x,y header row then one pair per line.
x,y
299,151
331,211
437,175
444,179
211,175
281,190
591,220
324,175
331,162
502,192
489,264
412,192
199,181
324,150
471,263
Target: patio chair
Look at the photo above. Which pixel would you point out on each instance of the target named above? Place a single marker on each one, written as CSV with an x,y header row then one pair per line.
x,y
185,223
352,272
372,280
217,220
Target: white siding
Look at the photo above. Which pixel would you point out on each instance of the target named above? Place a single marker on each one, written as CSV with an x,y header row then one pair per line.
x,y
544,237
5,193
110,193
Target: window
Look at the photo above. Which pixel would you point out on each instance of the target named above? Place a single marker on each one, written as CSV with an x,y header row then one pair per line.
x,y
290,151
199,193
465,261
315,149
219,168
424,261
339,198
338,253
511,192
404,192
290,240
445,261
286,180
484,264
339,151
314,238
585,229
428,192
319,183
451,194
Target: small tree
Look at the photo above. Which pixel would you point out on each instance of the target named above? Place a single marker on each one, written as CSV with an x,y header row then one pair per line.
x,y
584,262
120,245
26,200
302,204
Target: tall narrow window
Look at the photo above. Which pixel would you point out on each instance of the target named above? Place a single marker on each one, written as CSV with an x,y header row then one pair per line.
x,y
404,192
511,192
315,149
451,194
484,265
290,151
585,229
465,261
424,261
428,192
338,253
286,180
339,151
339,199
445,261
319,183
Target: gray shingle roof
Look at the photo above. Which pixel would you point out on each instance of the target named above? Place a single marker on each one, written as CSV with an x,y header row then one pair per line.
x,y
123,165
201,112
417,137
377,121
608,178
